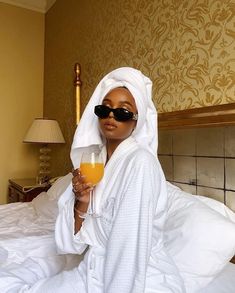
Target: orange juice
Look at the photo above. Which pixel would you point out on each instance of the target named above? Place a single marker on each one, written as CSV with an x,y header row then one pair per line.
x,y
92,171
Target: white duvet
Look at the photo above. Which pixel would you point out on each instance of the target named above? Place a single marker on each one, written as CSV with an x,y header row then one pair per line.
x,y
27,228
21,220
24,233
28,251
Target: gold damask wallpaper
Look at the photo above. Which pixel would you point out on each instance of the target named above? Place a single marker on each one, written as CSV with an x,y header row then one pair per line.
x,y
185,46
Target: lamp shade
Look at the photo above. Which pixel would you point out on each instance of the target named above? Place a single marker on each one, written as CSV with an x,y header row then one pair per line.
x,y
44,131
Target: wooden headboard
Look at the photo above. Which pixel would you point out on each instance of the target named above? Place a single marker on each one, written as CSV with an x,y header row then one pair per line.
x,y
219,115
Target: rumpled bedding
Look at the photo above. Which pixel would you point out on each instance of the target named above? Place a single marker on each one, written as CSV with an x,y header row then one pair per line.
x,y
28,251
27,228
199,235
20,219
24,233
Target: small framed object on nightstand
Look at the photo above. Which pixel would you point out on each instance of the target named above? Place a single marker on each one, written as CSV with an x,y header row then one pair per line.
x,y
25,189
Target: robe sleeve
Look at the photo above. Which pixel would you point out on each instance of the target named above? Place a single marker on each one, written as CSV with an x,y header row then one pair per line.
x,y
66,241
130,242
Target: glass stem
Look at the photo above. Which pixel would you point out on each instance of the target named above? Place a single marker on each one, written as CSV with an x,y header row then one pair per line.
x,y
91,202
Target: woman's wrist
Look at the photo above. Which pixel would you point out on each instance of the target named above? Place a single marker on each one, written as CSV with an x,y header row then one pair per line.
x,y
80,208
80,214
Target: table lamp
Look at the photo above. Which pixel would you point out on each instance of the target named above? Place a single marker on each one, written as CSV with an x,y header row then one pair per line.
x,y
44,131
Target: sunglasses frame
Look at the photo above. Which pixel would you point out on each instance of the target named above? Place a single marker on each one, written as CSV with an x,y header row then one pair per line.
x,y
133,116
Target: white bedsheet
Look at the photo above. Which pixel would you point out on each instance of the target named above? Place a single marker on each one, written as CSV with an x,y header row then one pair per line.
x,y
17,250
20,219
27,229
27,243
24,233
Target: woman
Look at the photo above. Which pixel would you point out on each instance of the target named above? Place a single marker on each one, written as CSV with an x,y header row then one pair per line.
x,y
125,245
125,251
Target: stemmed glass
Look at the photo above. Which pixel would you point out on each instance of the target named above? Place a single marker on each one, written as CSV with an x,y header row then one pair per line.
x,y
92,167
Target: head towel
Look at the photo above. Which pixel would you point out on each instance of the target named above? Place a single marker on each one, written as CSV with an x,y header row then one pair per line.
x,y
140,86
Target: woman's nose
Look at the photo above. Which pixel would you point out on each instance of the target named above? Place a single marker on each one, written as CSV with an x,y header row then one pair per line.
x,y
111,115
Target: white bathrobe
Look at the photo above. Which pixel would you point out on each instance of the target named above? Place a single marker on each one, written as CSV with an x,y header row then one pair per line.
x,y
125,245
125,252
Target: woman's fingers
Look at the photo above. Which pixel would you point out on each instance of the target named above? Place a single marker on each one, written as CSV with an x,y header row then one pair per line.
x,y
83,193
81,189
78,179
76,172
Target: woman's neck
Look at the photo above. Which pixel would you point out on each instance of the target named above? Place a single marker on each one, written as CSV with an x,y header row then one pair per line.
x,y
111,146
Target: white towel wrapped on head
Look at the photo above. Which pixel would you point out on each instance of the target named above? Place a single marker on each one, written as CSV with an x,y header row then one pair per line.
x,y
145,133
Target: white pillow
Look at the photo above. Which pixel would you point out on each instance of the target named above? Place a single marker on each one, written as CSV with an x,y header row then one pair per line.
x,y
45,207
218,206
223,283
59,186
45,203
200,240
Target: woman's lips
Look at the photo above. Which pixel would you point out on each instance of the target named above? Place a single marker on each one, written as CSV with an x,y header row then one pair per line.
x,y
109,126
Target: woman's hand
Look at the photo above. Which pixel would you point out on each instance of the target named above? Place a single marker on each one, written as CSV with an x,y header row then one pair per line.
x,y
81,189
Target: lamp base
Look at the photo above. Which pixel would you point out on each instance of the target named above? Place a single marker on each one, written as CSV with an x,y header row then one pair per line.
x,y
44,165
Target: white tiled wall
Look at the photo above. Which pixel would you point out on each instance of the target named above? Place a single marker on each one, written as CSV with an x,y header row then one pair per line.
x,y
230,142
210,142
201,161
210,172
217,194
184,169
230,174
184,142
230,199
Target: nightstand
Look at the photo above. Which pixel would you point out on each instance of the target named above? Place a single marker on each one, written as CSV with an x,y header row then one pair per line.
x,y
24,189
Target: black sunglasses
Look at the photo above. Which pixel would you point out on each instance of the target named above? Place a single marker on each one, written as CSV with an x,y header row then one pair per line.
x,y
120,114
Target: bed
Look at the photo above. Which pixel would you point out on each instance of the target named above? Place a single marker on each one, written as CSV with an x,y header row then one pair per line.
x,y
27,228
27,237
199,236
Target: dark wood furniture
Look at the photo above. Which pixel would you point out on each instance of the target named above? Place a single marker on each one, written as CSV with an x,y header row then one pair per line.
x,y
24,189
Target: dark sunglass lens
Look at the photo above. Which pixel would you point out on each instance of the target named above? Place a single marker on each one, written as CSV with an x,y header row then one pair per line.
x,y
102,111
121,114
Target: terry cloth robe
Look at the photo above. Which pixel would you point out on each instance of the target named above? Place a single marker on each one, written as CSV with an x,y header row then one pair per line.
x,y
125,245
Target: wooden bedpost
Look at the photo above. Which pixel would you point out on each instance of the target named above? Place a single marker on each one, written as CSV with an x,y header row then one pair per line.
x,y
77,83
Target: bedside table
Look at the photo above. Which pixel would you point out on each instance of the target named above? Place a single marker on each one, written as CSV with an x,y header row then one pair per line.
x,y
24,189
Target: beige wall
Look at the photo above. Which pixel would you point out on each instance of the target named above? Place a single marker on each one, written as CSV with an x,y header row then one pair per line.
x,y
186,47
21,90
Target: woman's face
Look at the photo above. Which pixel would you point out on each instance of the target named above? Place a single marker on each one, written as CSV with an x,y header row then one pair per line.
x,y
110,128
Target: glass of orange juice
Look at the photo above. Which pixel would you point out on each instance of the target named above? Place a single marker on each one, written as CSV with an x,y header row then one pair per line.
x,y
92,167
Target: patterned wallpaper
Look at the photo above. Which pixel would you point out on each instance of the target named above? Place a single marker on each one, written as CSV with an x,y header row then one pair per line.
x,y
185,46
